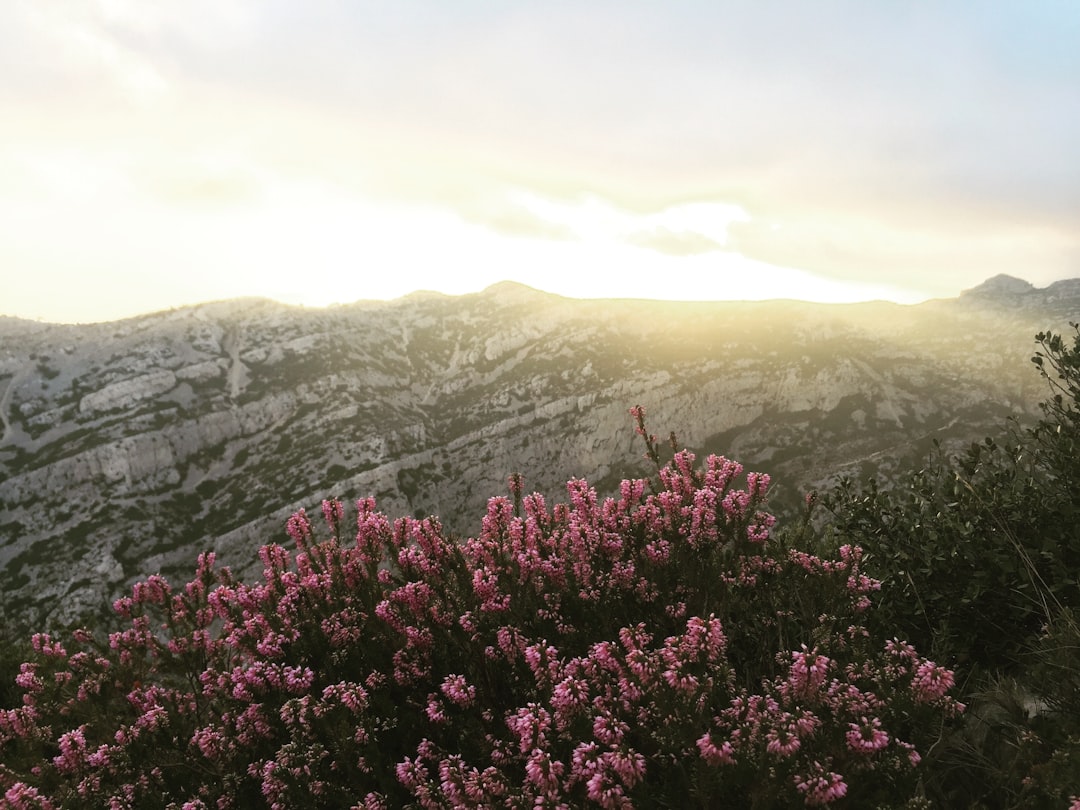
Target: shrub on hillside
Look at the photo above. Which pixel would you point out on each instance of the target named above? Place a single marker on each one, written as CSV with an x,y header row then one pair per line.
x,y
656,649
981,550
979,556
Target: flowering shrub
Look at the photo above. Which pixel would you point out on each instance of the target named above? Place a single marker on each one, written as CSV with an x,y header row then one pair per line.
x,y
661,647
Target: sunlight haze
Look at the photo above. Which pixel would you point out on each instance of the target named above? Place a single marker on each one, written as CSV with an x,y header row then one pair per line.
x,y
159,154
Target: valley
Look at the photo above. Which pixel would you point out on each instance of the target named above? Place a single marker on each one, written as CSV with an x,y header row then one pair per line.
x,y
128,447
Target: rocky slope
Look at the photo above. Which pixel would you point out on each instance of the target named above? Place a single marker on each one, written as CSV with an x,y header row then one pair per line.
x,y
128,447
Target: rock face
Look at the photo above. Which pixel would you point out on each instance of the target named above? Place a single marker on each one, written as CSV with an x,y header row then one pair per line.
x,y
128,447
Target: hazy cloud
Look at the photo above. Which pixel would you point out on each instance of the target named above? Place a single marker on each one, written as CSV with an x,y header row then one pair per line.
x,y
931,259
202,180
675,243
516,221
919,144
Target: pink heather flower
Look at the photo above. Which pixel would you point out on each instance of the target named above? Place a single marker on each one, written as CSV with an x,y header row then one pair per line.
x,y
569,697
333,512
931,681
609,730
457,689
122,606
757,483
28,680
154,590
866,736
720,471
299,528
658,552
152,719
601,789
677,610
434,710
758,530
736,503
821,787
99,758
713,754
516,484
861,584
1074,803
210,742
352,695
83,636
806,561
543,661
72,750
544,772
851,554
808,671
634,638
627,764
631,490
603,654
298,680
782,742
486,587
530,725
22,796
704,639
44,644
913,756
901,649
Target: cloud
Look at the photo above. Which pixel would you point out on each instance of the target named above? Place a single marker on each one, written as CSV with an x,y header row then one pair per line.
x,y
83,54
940,260
927,144
202,180
514,221
675,243
686,229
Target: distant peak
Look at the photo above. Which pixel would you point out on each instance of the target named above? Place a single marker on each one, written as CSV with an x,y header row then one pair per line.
x,y
425,295
500,287
1001,285
1067,286
513,291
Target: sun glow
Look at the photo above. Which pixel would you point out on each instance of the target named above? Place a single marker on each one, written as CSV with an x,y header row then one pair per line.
x,y
167,154
252,233
347,250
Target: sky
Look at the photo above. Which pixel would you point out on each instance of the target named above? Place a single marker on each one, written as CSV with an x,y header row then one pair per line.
x,y
159,153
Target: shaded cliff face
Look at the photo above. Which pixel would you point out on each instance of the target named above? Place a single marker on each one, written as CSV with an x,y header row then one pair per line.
x,y
129,447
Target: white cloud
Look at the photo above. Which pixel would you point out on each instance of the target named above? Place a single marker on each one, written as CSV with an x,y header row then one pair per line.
x,y
593,218
929,147
81,48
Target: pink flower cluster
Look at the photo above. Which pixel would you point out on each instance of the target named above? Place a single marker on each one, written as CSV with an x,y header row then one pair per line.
x,y
632,651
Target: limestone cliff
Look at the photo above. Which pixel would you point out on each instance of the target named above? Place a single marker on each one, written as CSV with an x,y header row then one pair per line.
x,y
128,447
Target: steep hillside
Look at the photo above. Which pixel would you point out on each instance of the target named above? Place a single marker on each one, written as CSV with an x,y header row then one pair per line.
x,y
128,447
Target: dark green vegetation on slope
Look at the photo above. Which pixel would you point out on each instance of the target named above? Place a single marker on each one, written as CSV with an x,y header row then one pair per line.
x,y
979,556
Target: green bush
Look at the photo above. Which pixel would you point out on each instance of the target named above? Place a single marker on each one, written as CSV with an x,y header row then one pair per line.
x,y
979,557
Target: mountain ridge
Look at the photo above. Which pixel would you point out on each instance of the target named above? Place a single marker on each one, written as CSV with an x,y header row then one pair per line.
x,y
128,447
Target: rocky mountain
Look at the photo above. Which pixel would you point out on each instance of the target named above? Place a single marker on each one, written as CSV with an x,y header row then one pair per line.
x,y
129,447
